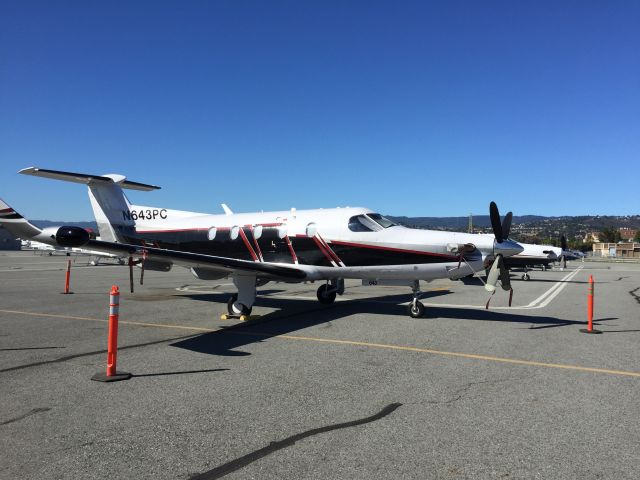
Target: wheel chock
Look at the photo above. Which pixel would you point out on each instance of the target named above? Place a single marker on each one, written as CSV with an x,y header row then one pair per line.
x,y
224,316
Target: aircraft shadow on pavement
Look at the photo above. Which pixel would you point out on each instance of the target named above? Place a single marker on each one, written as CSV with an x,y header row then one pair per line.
x,y
184,372
295,315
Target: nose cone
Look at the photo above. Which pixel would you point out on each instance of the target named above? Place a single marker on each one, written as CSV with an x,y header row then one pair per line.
x,y
508,248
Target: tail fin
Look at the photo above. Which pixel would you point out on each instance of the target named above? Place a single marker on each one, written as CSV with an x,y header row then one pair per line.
x,y
110,205
16,223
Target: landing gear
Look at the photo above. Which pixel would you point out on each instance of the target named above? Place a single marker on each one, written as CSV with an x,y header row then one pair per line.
x,y
235,308
327,294
240,304
416,308
526,276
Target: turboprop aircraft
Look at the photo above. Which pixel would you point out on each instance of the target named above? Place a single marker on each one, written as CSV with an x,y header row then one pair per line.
x,y
327,245
533,256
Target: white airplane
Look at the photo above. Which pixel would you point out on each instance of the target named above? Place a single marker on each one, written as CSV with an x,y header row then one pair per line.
x,y
532,256
327,245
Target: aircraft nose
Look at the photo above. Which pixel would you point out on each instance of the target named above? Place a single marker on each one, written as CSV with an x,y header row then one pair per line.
x,y
508,248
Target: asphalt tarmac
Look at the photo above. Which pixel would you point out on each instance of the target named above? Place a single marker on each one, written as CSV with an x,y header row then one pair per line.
x,y
356,389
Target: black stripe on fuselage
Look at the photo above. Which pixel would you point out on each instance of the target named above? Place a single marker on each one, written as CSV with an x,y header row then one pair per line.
x,y
276,250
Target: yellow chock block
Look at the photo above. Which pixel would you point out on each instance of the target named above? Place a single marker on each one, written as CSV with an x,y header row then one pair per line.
x,y
224,316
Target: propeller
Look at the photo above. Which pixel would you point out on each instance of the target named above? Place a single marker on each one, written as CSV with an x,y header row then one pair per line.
x,y
499,271
564,247
502,229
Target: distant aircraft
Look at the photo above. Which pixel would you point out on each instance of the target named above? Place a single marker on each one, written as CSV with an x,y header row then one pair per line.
x,y
40,246
534,256
327,245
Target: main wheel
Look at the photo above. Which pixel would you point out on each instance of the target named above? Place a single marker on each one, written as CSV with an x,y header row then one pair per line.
x,y
416,309
244,310
526,276
326,296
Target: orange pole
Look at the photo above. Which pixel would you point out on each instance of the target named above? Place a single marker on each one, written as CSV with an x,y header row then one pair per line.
x,y
67,279
590,305
589,328
112,344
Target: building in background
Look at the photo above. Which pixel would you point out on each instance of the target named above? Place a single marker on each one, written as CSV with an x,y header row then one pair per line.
x,y
627,234
617,250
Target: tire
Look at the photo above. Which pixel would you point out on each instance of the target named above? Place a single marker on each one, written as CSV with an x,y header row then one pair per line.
x,y
416,309
244,310
526,277
324,296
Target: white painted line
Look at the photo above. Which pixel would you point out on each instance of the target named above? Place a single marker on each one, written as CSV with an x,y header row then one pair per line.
x,y
555,286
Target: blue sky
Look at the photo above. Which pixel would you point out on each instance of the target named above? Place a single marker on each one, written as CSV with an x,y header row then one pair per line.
x,y
418,109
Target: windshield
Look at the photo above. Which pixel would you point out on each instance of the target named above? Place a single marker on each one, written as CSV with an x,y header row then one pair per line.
x,y
371,222
380,220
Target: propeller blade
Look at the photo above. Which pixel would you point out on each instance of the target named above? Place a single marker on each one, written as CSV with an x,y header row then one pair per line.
x,y
506,224
563,242
494,274
505,279
494,214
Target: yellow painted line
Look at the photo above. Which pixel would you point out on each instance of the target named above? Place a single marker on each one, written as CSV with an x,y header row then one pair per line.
x,y
120,322
351,342
455,354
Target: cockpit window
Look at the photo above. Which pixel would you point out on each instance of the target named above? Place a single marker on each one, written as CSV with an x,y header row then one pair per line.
x,y
371,222
380,220
361,223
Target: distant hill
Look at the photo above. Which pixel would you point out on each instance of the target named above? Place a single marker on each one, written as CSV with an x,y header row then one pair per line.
x,y
50,223
458,222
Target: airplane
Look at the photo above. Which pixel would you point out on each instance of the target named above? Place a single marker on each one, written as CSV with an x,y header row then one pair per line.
x,y
41,247
532,256
327,245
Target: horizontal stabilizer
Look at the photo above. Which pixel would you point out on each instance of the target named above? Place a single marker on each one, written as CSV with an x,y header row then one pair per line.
x,y
87,179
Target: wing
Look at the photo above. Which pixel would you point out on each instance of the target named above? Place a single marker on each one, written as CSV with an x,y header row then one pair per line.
x,y
199,260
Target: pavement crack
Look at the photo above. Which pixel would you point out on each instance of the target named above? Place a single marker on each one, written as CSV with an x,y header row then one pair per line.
x,y
87,354
461,392
28,414
245,460
634,294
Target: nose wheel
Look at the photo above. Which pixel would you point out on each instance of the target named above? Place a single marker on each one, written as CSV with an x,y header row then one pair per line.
x,y
416,308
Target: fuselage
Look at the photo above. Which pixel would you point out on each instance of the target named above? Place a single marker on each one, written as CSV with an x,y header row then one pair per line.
x,y
354,240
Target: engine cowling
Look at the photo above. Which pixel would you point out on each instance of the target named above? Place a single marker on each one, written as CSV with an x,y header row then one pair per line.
x,y
68,236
